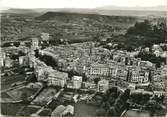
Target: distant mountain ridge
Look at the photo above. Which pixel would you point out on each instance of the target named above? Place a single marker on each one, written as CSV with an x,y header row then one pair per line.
x,y
106,10
136,8
17,10
66,17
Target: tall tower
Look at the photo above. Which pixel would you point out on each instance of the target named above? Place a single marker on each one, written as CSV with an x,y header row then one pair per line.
x,y
90,48
35,43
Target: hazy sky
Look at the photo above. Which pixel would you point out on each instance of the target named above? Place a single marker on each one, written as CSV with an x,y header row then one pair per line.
x,y
77,3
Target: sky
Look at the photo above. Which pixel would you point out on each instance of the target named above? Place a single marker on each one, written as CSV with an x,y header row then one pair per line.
x,y
77,3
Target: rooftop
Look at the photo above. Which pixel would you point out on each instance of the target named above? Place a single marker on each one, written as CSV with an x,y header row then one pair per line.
x,y
103,82
77,78
54,73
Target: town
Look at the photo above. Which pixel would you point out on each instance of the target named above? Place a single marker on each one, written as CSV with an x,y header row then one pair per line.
x,y
90,78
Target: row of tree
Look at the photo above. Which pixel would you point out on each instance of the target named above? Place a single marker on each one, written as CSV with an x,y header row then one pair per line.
x,y
152,58
147,29
114,102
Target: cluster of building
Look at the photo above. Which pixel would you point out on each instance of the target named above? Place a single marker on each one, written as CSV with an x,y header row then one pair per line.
x,y
159,50
100,62
95,62
86,58
6,54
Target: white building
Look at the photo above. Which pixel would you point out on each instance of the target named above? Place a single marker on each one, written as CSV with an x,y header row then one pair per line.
x,y
155,47
77,82
2,62
100,69
21,60
35,43
56,78
8,62
24,60
163,70
2,57
103,85
139,76
45,36
157,53
51,76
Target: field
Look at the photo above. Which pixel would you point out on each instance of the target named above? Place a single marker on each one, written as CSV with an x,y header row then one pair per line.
x,y
28,110
45,96
84,110
10,109
18,94
21,93
7,81
5,97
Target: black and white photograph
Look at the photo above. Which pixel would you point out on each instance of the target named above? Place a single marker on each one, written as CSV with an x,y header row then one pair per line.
x,y
83,58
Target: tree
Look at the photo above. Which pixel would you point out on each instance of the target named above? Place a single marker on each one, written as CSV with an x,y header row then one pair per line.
x,y
151,57
21,53
49,60
31,78
45,75
36,53
153,106
111,112
129,49
152,33
136,97
159,99
125,95
141,28
100,112
70,74
84,77
145,98
96,80
14,56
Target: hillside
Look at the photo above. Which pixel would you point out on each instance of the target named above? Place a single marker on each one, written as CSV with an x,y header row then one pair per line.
x,y
85,19
64,25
